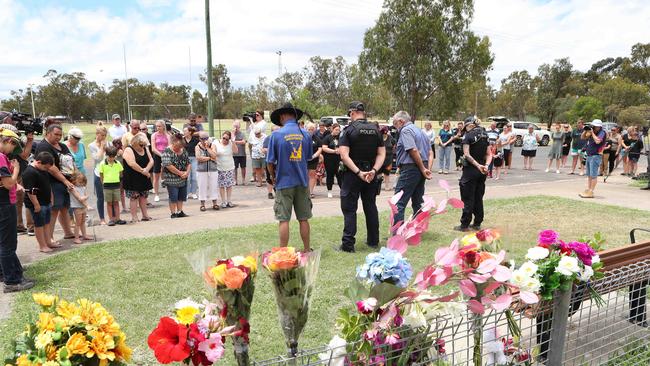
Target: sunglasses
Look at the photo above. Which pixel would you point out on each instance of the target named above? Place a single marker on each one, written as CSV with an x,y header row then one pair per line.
x,y
204,138
135,128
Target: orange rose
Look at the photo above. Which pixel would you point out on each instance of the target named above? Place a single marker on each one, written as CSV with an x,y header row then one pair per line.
x,y
234,278
283,258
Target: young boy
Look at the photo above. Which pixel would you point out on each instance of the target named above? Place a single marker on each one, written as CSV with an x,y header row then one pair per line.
x,y
36,182
110,173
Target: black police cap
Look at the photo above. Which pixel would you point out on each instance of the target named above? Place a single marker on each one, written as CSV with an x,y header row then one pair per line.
x,y
356,106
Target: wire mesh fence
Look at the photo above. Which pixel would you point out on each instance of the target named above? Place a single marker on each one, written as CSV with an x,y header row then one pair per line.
x,y
616,333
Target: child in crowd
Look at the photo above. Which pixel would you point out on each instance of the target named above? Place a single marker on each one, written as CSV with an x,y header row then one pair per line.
x,y
110,173
79,204
36,182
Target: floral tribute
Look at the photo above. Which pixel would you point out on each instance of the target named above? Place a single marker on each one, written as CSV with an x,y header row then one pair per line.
x,y
70,334
233,281
293,276
556,265
195,334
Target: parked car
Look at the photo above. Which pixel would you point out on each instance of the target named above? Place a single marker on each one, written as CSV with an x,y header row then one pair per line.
x,y
152,128
341,120
519,128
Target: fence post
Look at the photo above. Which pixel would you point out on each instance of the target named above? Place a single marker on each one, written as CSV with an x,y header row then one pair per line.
x,y
559,326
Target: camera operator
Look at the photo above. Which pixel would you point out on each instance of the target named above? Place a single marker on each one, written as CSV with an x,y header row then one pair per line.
x,y
476,159
595,136
645,135
26,144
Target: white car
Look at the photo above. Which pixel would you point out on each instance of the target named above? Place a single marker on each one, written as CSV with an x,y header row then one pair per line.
x,y
519,128
341,120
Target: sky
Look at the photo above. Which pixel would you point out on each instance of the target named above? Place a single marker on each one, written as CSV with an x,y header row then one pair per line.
x,y
164,40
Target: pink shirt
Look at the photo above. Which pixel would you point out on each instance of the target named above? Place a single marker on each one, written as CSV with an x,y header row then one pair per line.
x,y
161,141
5,166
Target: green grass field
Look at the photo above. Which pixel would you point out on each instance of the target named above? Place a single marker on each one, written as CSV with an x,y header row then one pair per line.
x,y
139,280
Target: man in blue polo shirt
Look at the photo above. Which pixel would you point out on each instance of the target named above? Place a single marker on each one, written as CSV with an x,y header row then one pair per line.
x,y
289,149
413,157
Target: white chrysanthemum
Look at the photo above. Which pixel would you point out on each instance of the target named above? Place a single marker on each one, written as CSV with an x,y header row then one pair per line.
x,y
595,259
537,253
529,268
586,274
43,340
568,266
187,303
518,277
531,284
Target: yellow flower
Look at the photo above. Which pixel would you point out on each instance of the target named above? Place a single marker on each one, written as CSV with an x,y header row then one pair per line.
x,y
50,351
219,273
122,350
45,322
43,340
470,239
51,363
44,299
22,360
251,263
187,314
77,345
69,311
101,346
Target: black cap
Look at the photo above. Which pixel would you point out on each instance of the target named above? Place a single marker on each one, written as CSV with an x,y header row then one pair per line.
x,y
470,119
356,106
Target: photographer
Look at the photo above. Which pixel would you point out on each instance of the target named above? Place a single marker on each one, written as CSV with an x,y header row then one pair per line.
x,y
595,136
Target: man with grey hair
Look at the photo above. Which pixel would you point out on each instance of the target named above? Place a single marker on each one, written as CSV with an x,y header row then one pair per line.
x,y
117,130
240,155
413,156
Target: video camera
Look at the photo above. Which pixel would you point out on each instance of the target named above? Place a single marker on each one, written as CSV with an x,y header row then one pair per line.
x,y
587,127
249,117
26,123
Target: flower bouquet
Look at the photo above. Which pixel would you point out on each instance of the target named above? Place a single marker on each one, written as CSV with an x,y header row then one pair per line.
x,y
70,334
233,280
194,335
293,276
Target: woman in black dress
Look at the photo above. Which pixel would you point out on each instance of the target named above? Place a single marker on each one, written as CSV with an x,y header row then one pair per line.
x,y
137,177
388,161
566,144
332,159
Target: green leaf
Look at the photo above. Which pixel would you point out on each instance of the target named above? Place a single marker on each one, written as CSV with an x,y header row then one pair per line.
x,y
385,292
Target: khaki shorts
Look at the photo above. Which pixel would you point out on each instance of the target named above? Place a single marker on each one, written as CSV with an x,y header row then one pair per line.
x,y
297,198
112,195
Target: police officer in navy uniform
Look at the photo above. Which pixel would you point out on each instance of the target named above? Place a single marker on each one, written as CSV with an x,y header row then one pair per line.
x,y
477,158
361,147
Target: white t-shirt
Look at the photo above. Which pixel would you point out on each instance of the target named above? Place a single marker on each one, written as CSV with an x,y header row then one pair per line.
x,y
117,132
74,203
431,135
503,137
256,146
225,162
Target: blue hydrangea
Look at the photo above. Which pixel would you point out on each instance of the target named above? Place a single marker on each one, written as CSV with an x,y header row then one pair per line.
x,y
386,266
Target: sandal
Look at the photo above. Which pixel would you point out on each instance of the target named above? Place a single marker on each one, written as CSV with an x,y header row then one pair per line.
x,y
147,219
216,207
202,208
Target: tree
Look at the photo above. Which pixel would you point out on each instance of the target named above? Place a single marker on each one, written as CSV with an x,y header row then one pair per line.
x,y
292,82
221,86
603,69
515,94
552,81
637,66
68,94
635,115
588,108
620,91
199,102
328,81
421,49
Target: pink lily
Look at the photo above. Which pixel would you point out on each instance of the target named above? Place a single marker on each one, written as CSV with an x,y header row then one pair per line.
x,y
449,256
432,276
476,307
468,288
397,243
367,306
392,203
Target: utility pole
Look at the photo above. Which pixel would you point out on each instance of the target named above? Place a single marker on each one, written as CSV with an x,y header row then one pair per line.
x,y
209,49
279,53
189,53
126,82
31,93
476,104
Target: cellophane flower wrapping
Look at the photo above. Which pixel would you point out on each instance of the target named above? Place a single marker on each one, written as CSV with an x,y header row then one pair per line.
x,y
232,280
293,277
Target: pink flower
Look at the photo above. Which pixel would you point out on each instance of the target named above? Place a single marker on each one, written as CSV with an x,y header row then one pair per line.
x,y
487,235
212,347
392,338
584,252
367,306
440,346
547,237
370,334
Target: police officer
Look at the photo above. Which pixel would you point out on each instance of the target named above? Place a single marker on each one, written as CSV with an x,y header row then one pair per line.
x,y
477,158
362,151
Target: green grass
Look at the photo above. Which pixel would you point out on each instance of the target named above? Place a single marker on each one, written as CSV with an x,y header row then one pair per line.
x,y
639,183
138,280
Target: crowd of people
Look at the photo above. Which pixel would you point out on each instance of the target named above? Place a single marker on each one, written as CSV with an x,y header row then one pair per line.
x,y
48,178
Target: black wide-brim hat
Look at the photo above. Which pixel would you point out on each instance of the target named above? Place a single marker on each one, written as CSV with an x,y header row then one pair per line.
x,y
286,108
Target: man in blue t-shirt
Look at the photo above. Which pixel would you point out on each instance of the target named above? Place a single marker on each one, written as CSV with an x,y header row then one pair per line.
x,y
288,152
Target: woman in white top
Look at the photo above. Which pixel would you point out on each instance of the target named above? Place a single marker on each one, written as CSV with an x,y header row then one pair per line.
x,y
225,167
506,139
98,152
431,135
530,141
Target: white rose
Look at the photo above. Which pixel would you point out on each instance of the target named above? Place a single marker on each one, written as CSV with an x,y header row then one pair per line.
x,y
568,266
537,253
595,259
586,274
529,268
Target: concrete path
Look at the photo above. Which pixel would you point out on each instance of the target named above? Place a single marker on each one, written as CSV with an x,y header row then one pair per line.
x,y
255,208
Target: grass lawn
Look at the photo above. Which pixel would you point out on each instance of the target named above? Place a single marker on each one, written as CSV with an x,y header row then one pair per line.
x,y
139,280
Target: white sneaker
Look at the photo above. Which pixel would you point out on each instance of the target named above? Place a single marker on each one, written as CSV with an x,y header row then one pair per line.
x,y
546,170
156,198
557,171
194,196
329,195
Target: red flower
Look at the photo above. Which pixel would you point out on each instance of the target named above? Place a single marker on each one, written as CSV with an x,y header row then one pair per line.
x,y
244,329
544,245
169,341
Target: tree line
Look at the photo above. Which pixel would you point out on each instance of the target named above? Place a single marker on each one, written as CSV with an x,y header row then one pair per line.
x,y
420,56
